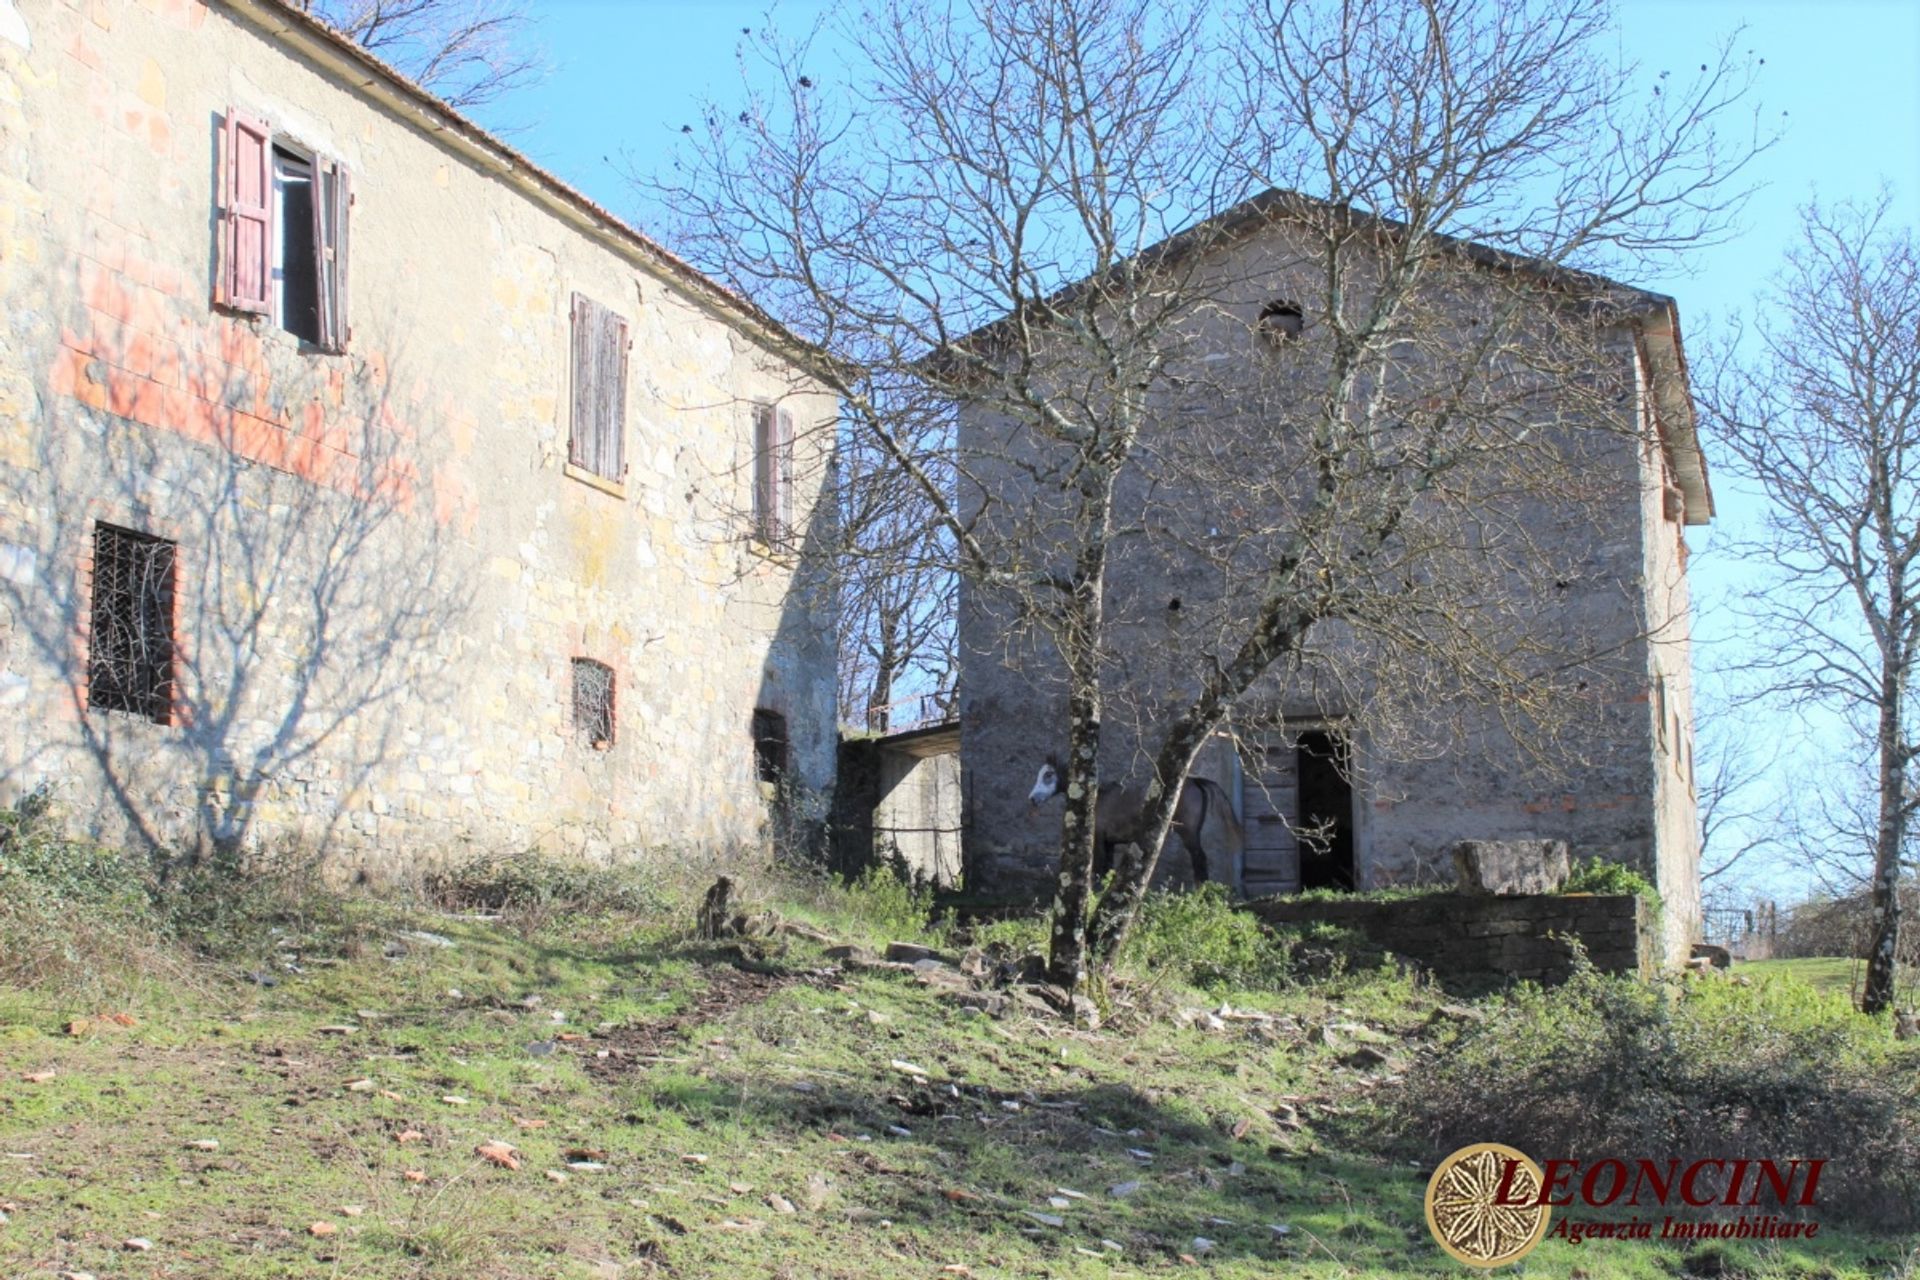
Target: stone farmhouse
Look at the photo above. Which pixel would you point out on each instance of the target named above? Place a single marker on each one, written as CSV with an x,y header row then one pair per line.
x,y
1324,802
363,488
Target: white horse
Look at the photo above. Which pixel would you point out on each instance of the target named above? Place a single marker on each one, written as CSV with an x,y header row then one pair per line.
x,y
1118,811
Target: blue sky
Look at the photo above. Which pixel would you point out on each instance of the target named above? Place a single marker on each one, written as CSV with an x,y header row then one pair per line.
x,y
1842,80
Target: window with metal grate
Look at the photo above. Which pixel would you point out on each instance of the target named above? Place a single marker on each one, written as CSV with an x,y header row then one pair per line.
x,y
593,703
130,645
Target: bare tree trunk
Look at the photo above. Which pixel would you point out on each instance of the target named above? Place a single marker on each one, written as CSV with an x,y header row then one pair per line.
x,y
1890,837
1067,950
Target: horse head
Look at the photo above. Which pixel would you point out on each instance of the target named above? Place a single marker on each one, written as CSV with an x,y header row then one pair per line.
x,y
1046,783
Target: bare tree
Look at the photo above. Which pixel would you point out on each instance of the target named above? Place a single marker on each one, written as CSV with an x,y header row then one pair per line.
x,y
1823,412
980,209
1742,820
896,588
470,52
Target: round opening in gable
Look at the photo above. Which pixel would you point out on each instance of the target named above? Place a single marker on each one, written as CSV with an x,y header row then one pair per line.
x,y
1281,322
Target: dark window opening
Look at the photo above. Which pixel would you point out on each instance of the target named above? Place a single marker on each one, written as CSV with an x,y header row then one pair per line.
x,y
593,703
770,744
1281,322
130,647
296,266
1324,762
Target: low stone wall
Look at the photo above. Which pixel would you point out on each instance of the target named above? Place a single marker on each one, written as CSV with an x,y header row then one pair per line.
x,y
1522,936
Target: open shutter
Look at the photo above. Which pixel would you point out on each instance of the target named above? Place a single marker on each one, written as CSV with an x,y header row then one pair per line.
x,y
613,392
783,476
332,196
579,443
765,471
246,266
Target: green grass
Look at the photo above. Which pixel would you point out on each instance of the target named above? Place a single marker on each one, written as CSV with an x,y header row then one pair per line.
x,y
781,1084
1829,973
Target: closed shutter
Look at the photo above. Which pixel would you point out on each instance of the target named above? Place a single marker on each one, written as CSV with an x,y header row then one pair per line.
x,y
783,476
598,437
579,442
765,472
612,421
333,196
246,266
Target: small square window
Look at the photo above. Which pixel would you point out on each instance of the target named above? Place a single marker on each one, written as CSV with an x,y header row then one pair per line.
x,y
769,744
593,703
130,647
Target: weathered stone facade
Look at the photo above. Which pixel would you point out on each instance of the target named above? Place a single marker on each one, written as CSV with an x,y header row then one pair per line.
x,y
1621,790
385,566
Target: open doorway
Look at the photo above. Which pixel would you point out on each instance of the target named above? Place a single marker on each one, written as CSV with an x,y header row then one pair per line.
x,y
1323,767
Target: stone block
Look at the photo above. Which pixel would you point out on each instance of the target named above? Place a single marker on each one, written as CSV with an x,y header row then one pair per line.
x,y
1507,867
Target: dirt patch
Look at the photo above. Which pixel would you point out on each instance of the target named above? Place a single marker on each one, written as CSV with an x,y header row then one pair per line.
x,y
726,989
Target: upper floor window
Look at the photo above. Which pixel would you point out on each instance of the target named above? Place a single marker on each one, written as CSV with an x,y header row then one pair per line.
x,y
597,439
283,243
773,474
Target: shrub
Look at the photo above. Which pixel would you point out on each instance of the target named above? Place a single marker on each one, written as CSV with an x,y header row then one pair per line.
x,y
1202,939
1599,875
1606,1065
1014,935
526,881
889,905
39,862
76,918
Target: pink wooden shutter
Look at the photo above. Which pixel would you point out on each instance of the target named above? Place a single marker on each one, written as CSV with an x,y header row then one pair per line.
x,y
246,268
765,472
332,197
578,442
783,483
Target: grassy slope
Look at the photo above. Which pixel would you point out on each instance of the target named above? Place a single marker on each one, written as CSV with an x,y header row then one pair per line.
x,y
1827,973
782,1087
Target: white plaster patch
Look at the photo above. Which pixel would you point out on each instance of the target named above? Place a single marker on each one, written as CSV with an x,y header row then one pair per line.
x,y
14,27
13,689
17,563
289,122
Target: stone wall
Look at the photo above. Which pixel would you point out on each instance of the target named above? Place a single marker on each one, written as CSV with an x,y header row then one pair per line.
x,y
1463,937
897,804
1433,761
386,566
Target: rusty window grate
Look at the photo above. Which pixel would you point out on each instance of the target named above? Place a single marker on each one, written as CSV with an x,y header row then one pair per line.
x,y
593,703
769,744
130,647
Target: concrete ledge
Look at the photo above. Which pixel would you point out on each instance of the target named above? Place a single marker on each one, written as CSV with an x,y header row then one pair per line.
x,y
1521,936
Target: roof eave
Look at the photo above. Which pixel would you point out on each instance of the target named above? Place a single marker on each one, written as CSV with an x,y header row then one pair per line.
x,y
362,72
1673,405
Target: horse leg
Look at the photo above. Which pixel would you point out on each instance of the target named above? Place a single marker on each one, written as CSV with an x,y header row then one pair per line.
x,y
1197,853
